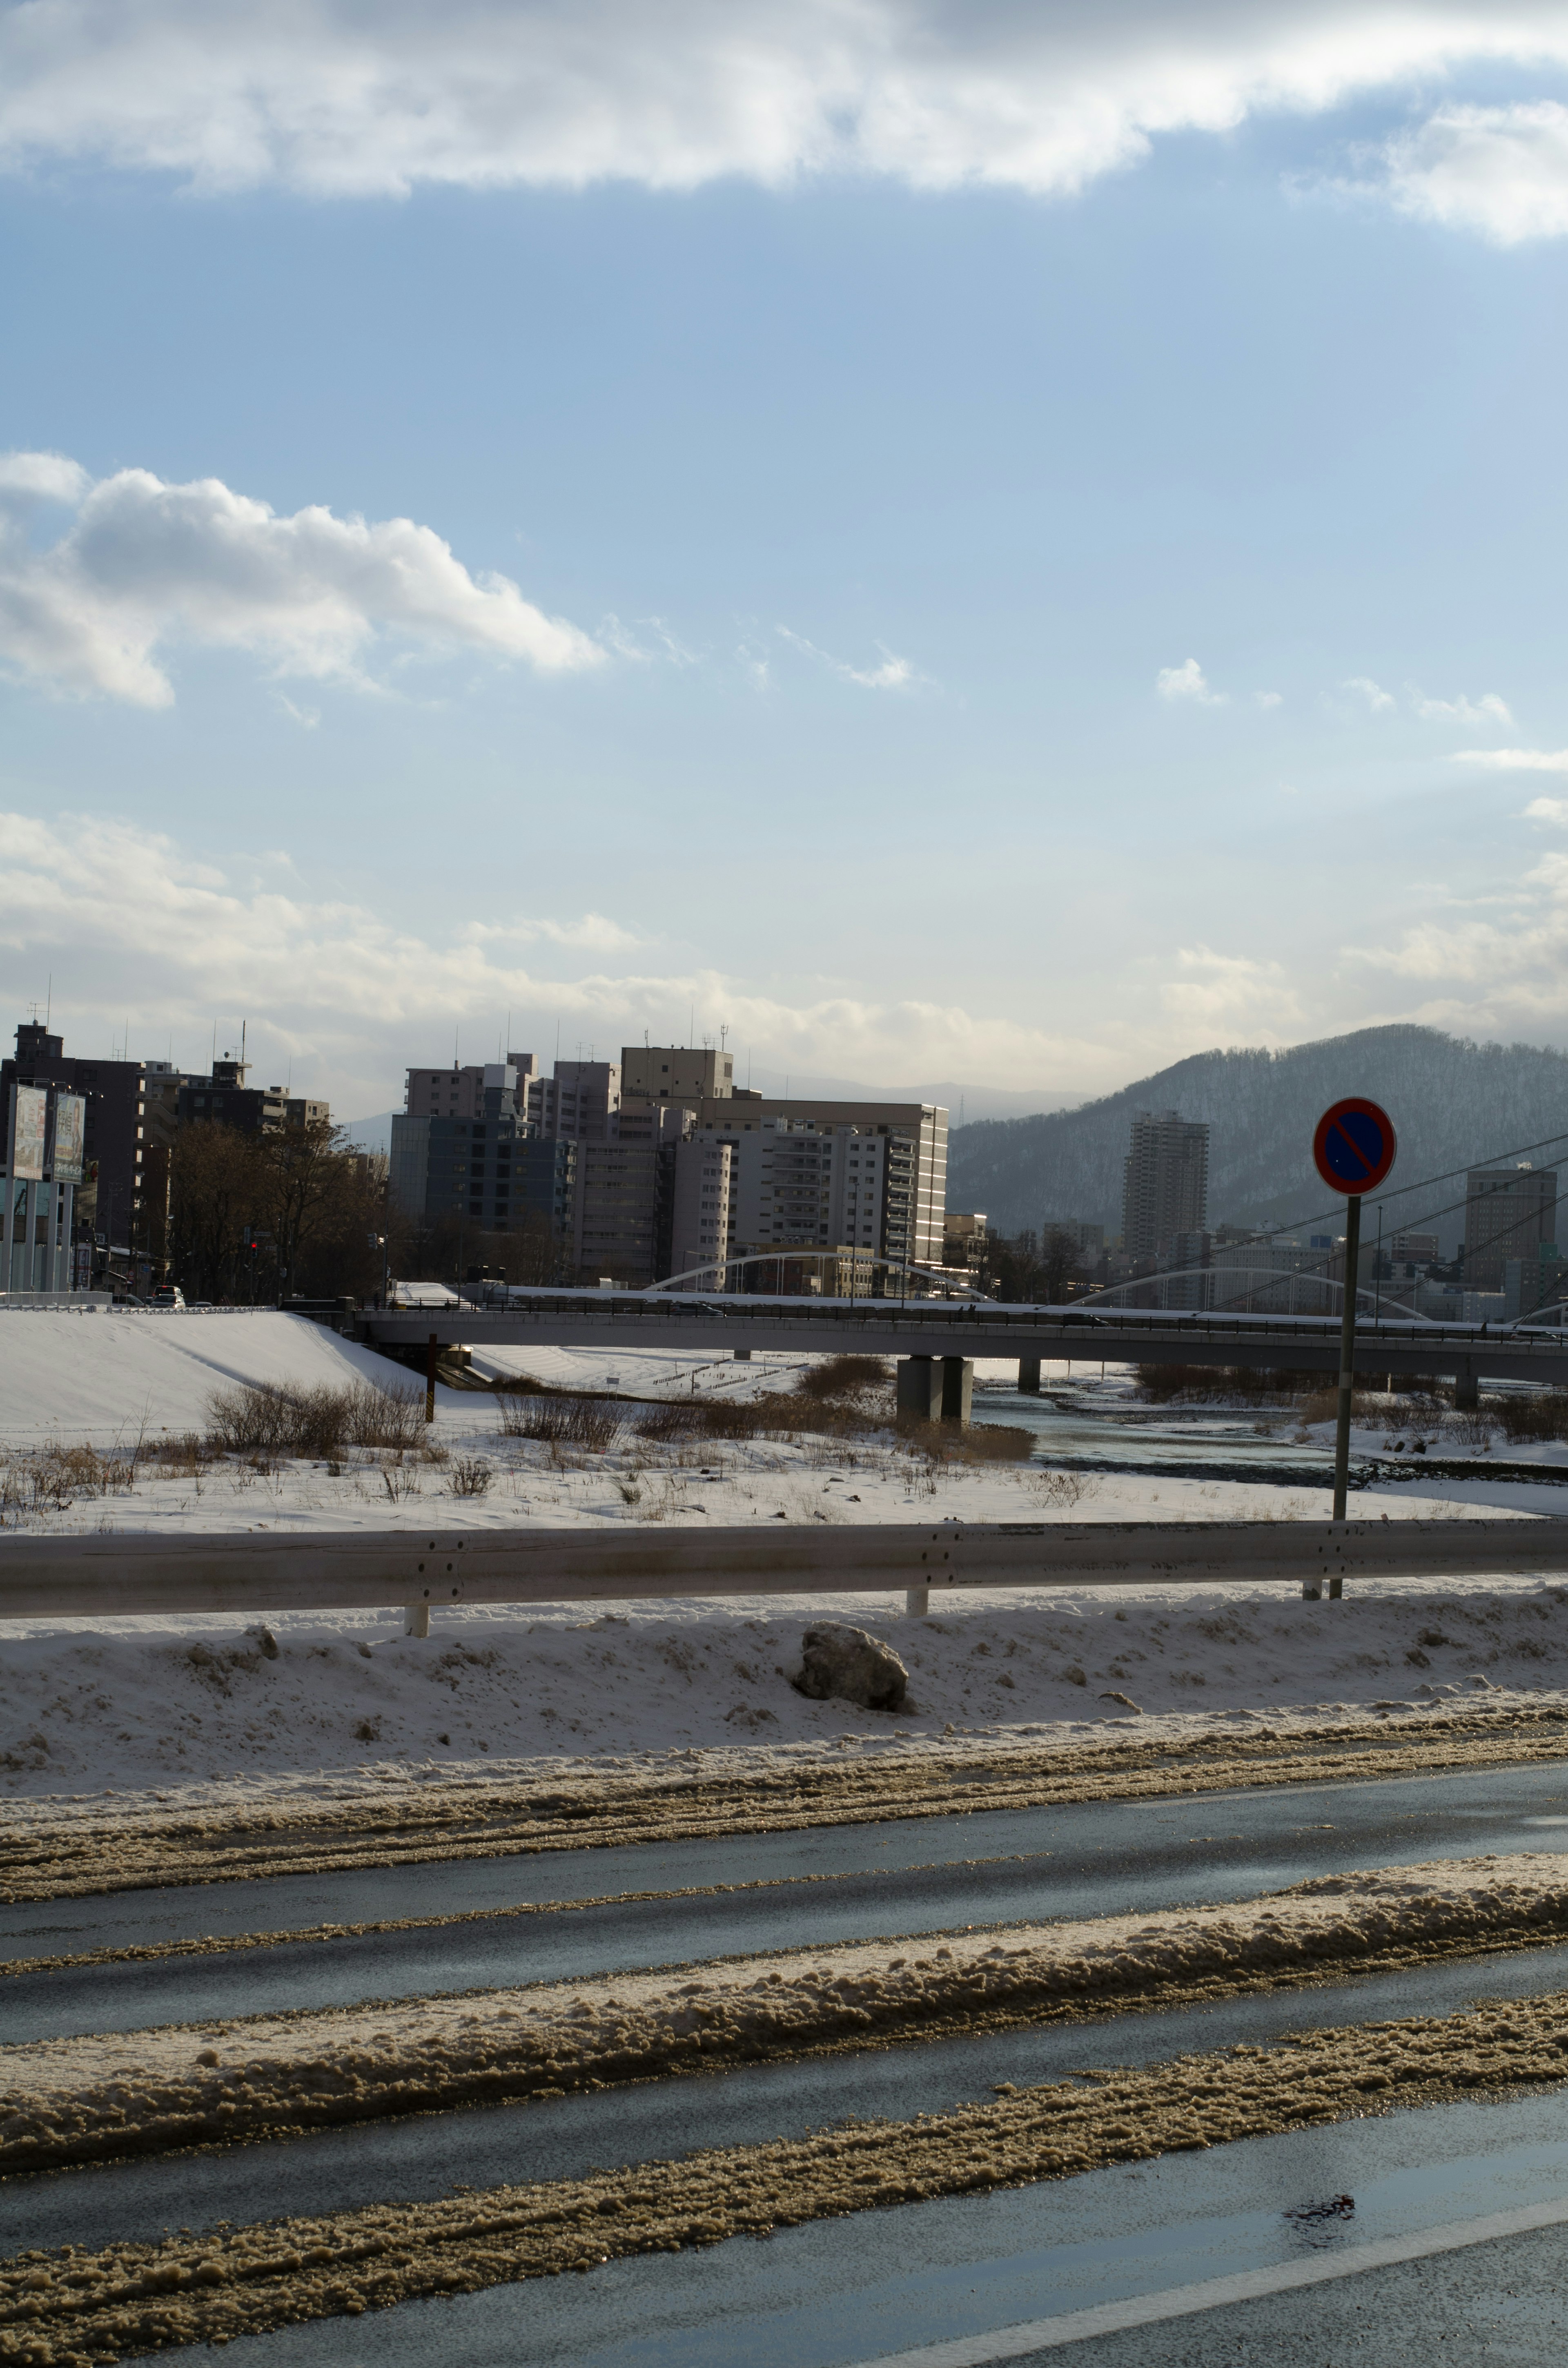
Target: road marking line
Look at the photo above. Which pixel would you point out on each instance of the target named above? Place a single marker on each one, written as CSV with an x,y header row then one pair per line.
x,y
1181,2302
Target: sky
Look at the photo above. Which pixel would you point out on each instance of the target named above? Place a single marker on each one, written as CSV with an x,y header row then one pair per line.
x,y
1005,544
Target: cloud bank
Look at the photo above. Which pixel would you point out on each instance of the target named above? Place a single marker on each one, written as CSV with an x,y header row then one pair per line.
x,y
334,96
141,565
128,922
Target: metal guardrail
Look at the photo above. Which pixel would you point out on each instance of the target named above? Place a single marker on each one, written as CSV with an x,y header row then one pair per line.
x,y
144,1573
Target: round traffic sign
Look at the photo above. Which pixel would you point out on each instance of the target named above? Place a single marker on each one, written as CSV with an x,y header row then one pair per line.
x,y
1354,1146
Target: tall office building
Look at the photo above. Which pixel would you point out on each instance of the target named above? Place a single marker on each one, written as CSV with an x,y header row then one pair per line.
x,y
1165,1182
1509,1213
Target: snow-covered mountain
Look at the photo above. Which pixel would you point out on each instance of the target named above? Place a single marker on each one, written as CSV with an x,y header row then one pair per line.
x,y
1453,1103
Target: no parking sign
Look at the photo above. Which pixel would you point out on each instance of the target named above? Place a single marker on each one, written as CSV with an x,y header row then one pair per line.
x,y
1354,1146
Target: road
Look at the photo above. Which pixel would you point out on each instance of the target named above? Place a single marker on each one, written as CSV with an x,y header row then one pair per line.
x,y
845,2293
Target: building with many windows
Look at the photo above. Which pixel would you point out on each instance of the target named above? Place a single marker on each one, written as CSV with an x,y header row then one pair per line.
x,y
1165,1183
1509,1213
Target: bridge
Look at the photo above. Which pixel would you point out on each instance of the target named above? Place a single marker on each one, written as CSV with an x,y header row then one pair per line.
x,y
956,1331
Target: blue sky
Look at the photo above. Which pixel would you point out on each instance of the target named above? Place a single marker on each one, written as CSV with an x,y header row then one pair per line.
x,y
1012,600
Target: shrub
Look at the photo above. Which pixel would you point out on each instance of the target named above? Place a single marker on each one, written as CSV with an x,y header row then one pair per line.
x,y
1542,1414
561,1421
470,1476
319,1422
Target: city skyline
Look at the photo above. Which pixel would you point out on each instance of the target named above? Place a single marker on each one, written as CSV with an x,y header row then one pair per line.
x,y
1004,552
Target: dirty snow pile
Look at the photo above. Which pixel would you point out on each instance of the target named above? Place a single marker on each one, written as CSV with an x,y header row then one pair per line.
x,y
70,2099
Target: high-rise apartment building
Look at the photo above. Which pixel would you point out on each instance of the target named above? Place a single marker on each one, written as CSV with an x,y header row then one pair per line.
x,y
481,1162
1509,1213
702,1221
581,1101
1165,1182
460,1092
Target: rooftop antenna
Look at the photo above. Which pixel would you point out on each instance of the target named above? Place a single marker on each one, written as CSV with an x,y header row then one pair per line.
x,y
48,1005
244,1025
690,1027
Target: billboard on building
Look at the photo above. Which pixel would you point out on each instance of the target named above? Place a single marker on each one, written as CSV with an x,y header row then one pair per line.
x,y
70,1137
30,1122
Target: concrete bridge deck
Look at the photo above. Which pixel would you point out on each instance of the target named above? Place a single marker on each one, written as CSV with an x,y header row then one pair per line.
x,y
712,1323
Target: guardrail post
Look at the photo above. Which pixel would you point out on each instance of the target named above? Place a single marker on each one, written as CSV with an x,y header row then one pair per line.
x,y
916,1602
417,1622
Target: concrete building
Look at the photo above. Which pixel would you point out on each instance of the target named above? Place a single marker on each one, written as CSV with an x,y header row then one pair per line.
x,y
702,1221
486,1167
42,1166
226,1099
1509,1213
1165,1182
460,1092
892,1175
581,1103
674,1073
128,1127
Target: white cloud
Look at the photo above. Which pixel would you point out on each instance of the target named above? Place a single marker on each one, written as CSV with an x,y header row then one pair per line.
x,y
1499,170
350,997
1547,809
1488,708
143,565
1376,697
1217,992
1268,698
331,96
1186,681
893,674
1515,760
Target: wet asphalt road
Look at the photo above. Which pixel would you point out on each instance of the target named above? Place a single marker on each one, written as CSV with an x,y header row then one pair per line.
x,y
813,1889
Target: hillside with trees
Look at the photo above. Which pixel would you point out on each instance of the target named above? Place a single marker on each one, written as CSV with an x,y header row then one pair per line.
x,y
1453,1103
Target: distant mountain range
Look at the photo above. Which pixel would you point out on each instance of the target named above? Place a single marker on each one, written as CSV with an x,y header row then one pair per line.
x,y
1454,1104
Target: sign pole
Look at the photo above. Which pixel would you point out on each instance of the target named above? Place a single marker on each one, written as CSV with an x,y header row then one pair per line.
x,y
1347,1361
1354,1147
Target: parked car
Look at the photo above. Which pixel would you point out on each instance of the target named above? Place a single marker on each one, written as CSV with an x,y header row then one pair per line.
x,y
168,1294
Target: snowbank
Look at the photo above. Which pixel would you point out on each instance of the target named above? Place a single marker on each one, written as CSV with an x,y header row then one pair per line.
x,y
144,1703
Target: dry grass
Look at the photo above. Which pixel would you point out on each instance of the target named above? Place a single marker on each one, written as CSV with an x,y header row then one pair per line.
x,y
559,1422
319,1423
56,1477
1542,1414
842,1377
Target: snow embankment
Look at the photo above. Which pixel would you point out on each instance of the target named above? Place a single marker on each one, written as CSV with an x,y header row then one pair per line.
x,y
185,1703
86,2098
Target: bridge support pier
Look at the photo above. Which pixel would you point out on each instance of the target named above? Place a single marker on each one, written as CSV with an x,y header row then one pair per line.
x,y
918,1390
1028,1374
1467,1389
743,1355
958,1389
